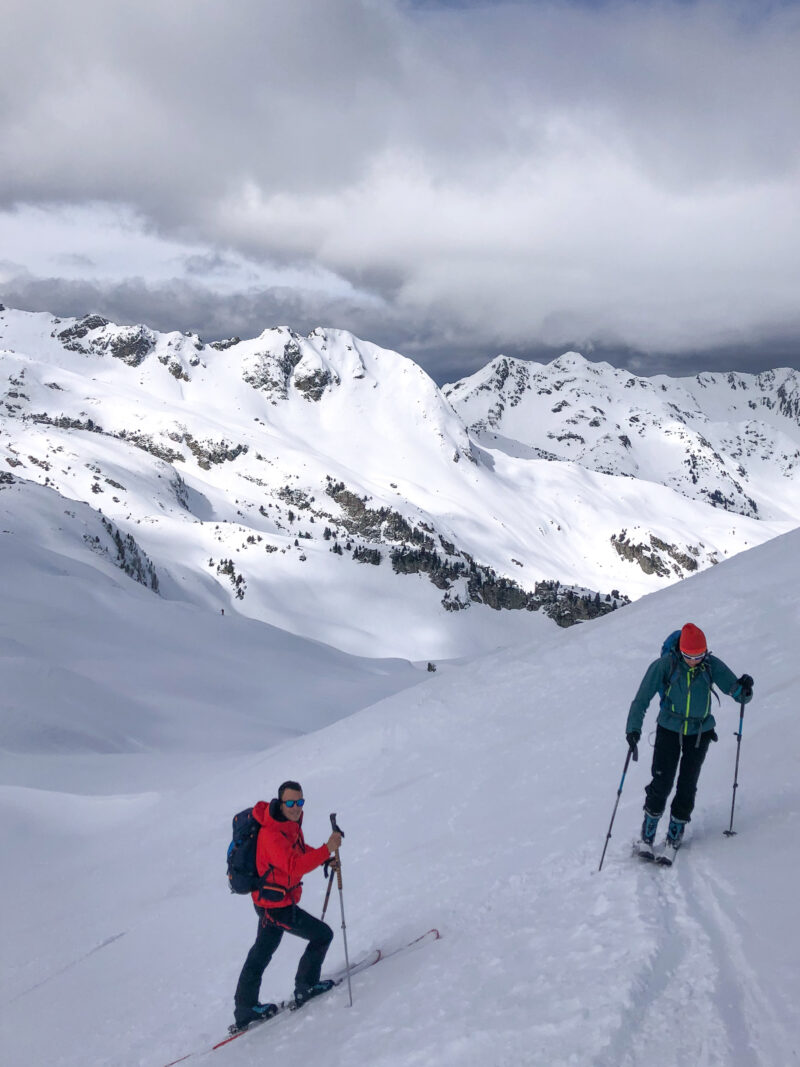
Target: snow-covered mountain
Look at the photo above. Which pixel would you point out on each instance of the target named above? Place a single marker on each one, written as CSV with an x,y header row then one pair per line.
x,y
731,440
148,481
477,802
328,487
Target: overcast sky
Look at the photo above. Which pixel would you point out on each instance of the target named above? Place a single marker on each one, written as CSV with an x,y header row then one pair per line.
x,y
450,179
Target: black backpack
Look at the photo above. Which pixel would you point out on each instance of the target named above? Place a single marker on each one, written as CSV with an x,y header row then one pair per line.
x,y
242,871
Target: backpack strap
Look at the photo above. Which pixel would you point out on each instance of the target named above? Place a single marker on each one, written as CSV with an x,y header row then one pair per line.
x,y
711,686
670,647
675,660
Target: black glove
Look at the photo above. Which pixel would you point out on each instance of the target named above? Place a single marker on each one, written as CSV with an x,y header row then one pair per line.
x,y
633,738
744,688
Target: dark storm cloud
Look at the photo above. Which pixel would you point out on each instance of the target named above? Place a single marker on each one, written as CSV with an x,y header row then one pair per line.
x,y
484,176
189,305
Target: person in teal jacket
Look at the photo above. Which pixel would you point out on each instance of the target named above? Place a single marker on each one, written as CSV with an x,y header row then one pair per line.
x,y
684,730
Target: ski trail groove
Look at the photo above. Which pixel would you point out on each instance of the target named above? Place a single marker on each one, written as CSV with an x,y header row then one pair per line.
x,y
667,1007
652,979
66,967
742,1005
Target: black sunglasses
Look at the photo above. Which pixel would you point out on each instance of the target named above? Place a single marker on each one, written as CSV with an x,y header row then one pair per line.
x,y
291,803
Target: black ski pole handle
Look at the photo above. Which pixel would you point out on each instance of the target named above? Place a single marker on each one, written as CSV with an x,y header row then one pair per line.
x,y
337,830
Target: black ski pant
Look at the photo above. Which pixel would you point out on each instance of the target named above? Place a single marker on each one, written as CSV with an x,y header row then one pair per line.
x,y
272,922
672,748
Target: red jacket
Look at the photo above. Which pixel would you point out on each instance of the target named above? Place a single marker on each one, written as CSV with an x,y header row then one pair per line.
x,y
282,855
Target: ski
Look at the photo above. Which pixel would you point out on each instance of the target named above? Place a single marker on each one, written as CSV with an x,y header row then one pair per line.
x,y
667,857
643,852
289,1005
661,856
375,956
284,1005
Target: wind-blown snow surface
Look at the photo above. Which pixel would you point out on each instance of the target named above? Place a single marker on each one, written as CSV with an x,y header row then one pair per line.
x,y
476,802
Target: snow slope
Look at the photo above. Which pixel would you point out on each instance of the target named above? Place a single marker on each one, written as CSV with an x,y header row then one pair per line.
x,y
476,802
96,664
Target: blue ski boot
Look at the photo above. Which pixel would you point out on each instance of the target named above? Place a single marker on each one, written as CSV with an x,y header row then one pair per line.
x,y
649,827
675,834
305,993
257,1014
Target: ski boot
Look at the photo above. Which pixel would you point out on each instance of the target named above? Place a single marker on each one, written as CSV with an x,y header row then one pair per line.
x,y
644,848
306,993
257,1014
675,834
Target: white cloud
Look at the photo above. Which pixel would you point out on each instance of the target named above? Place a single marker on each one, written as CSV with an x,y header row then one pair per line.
x,y
509,173
584,247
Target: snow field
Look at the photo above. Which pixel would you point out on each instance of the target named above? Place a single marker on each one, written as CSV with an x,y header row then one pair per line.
x,y
476,802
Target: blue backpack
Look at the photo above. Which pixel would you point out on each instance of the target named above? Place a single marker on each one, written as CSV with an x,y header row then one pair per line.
x,y
243,876
670,647
242,871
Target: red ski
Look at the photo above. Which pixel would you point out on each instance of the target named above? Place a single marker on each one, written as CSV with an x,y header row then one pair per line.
x,y
377,955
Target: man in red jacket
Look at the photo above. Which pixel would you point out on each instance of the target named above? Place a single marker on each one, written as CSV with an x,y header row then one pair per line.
x,y
282,859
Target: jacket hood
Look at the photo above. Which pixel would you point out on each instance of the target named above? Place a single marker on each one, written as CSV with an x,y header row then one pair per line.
x,y
264,812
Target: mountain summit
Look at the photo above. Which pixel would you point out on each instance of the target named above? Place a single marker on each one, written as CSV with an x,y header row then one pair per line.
x,y
327,486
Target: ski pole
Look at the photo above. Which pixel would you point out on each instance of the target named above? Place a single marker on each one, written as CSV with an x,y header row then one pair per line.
x,y
634,752
338,830
730,832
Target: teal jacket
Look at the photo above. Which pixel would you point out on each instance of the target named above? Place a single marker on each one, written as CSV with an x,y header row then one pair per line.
x,y
686,703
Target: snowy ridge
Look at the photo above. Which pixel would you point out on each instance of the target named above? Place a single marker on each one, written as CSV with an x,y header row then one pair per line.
x,y
328,487
732,440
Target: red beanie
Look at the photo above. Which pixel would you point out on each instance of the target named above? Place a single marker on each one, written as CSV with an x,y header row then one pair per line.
x,y
693,640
